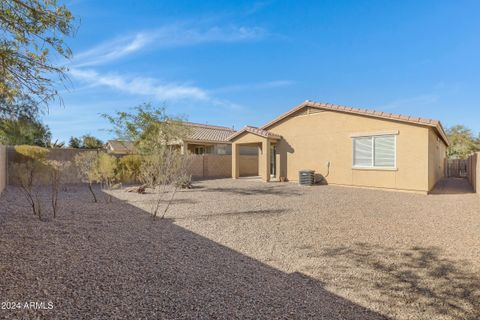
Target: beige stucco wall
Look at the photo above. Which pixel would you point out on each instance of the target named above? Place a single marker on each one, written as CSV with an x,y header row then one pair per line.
x,y
3,168
248,166
437,150
263,145
310,141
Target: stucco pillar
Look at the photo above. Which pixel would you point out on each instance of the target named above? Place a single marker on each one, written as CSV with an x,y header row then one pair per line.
x,y
260,160
235,161
183,148
265,160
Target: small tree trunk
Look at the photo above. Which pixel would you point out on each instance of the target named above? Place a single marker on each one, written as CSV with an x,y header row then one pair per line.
x,y
30,199
169,202
93,193
54,193
54,201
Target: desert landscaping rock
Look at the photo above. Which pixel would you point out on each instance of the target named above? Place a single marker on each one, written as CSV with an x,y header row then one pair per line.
x,y
244,250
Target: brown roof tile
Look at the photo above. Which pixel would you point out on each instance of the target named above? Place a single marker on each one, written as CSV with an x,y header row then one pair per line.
x,y
205,132
366,112
257,131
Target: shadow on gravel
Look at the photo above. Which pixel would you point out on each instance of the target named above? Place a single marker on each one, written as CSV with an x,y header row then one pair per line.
x,y
248,191
452,186
134,266
164,201
256,213
418,277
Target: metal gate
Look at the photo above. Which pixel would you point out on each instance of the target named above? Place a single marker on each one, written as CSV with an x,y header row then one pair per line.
x,y
457,168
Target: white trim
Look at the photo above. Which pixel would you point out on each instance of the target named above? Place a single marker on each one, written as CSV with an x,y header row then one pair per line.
x,y
375,133
376,168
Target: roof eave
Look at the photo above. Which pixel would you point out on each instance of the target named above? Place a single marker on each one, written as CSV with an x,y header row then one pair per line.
x,y
238,133
307,103
207,141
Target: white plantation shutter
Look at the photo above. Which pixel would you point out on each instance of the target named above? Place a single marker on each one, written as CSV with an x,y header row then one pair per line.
x,y
384,151
362,152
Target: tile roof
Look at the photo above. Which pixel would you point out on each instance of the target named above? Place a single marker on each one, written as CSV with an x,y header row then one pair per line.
x,y
198,133
206,132
364,112
120,146
257,131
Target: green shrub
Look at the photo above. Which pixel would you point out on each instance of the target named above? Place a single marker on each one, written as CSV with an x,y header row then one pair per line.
x,y
129,168
25,153
105,171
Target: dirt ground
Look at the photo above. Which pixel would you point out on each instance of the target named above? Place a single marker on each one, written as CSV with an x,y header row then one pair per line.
x,y
245,249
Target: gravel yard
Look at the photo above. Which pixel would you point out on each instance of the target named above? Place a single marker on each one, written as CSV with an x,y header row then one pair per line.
x,y
245,249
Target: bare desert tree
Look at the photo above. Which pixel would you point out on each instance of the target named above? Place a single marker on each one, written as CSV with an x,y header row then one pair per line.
x,y
86,163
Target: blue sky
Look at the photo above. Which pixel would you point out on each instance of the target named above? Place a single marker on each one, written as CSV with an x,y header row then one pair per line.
x,y
245,62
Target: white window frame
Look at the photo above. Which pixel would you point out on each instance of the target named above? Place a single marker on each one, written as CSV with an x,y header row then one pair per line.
x,y
372,166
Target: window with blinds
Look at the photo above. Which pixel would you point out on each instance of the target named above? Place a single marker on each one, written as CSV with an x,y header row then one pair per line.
x,y
374,152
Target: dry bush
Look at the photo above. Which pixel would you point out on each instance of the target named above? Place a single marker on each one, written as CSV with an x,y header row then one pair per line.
x,y
86,162
166,169
30,170
57,170
105,172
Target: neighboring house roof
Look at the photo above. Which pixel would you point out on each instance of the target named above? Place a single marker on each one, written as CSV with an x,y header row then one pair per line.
x,y
207,133
364,112
257,131
120,146
200,133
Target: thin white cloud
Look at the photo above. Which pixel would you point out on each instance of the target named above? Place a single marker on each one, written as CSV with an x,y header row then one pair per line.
x,y
112,50
141,86
165,37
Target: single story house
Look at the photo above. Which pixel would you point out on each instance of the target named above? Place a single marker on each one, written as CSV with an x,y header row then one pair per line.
x,y
201,139
120,147
207,139
348,146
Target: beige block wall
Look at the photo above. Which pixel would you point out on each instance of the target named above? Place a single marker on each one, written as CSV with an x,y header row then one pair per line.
x,y
220,166
437,151
216,166
473,170
200,166
65,155
196,165
311,140
3,168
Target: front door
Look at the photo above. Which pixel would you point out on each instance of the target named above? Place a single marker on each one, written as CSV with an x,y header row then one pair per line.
x,y
273,161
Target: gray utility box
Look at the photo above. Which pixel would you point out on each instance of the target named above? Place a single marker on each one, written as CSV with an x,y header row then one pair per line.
x,y
306,177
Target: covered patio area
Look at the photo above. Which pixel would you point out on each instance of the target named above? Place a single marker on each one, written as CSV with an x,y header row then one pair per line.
x,y
265,141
